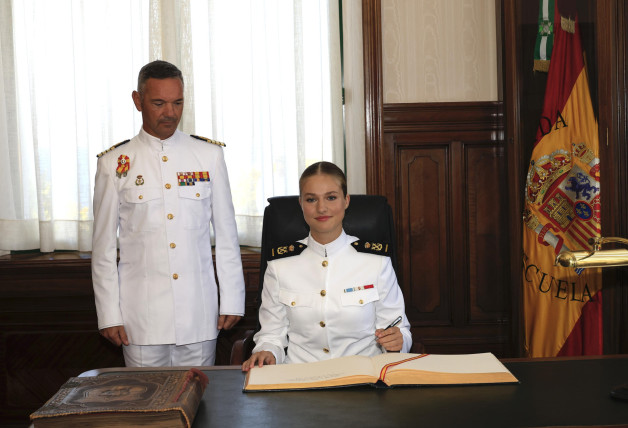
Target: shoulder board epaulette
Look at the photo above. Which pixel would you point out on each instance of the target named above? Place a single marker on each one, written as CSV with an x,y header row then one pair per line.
x,y
112,147
209,140
282,251
383,249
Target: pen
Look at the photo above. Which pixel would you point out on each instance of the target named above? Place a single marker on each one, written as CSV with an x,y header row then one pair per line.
x,y
394,323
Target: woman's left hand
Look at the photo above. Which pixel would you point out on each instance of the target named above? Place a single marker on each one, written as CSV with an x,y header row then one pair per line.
x,y
390,339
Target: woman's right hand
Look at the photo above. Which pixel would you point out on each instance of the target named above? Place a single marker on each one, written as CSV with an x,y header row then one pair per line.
x,y
259,358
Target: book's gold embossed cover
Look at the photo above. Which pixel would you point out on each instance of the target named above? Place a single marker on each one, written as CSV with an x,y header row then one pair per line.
x,y
161,397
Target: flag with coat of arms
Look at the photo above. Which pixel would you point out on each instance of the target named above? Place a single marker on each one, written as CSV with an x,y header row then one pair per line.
x,y
563,306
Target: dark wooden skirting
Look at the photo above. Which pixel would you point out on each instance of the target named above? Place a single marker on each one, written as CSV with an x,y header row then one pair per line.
x,y
49,332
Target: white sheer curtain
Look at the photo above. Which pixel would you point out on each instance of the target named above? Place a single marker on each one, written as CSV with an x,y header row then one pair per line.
x,y
67,80
269,72
263,76
353,79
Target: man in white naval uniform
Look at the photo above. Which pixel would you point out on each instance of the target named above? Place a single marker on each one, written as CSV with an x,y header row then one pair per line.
x,y
160,191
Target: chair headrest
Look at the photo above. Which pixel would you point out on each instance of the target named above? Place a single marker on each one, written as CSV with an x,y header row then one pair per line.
x,y
368,217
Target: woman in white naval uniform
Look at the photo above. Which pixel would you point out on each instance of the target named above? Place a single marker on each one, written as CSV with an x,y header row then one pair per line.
x,y
328,295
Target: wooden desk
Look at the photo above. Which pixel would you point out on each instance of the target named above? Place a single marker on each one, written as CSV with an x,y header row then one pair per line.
x,y
552,392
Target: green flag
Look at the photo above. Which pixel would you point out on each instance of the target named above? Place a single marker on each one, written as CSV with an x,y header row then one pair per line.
x,y
545,36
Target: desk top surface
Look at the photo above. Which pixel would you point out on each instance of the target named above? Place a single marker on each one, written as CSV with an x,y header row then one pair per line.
x,y
551,392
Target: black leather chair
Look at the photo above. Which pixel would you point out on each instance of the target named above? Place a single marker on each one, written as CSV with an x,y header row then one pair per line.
x,y
369,217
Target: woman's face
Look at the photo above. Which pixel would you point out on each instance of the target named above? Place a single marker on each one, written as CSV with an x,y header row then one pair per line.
x,y
323,205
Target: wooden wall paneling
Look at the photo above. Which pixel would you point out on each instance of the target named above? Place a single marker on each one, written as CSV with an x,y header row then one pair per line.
x,y
226,338
447,189
423,205
419,157
459,242
514,157
487,232
621,157
373,92
611,34
48,329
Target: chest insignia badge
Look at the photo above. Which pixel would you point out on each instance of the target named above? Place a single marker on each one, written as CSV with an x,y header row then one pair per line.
x,y
123,166
362,287
139,180
190,178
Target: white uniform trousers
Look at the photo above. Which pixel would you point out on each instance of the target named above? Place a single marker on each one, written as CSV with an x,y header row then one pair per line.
x,y
193,354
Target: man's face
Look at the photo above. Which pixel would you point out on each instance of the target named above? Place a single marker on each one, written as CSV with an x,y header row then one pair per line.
x,y
161,104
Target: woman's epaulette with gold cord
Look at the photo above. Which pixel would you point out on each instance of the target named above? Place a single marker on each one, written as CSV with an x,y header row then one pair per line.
x,y
383,249
283,251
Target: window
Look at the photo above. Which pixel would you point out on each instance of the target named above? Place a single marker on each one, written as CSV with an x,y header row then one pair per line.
x,y
261,76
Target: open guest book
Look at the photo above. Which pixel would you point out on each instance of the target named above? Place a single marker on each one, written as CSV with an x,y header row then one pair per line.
x,y
384,370
155,399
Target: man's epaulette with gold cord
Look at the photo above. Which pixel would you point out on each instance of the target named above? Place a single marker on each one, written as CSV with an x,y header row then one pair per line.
x,y
383,249
282,251
112,147
209,140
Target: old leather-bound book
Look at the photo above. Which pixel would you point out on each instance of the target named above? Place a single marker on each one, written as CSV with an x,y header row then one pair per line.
x,y
155,399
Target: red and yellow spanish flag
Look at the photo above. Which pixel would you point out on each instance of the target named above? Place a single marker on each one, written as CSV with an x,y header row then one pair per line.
x,y
563,306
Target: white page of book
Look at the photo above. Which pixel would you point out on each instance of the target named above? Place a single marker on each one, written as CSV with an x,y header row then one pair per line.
x,y
312,372
460,363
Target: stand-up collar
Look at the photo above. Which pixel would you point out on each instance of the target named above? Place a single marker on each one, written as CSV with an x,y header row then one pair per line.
x,y
155,142
333,247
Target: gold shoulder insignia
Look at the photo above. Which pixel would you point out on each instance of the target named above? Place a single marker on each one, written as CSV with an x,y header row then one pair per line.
x,y
282,251
383,249
209,140
112,147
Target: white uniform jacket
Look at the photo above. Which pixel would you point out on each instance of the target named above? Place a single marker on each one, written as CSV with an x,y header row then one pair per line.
x,y
162,196
327,302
